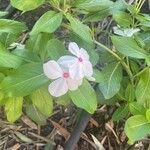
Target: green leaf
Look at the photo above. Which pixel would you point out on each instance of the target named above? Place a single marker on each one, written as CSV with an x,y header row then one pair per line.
x,y
137,127
26,55
13,108
64,100
26,5
11,26
49,22
137,109
38,43
120,113
145,37
83,31
2,76
98,76
148,115
130,93
112,76
143,87
123,19
84,97
35,114
93,5
128,47
9,60
43,101
24,80
55,49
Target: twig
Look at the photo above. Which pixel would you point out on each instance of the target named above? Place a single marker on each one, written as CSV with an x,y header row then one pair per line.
x,y
79,128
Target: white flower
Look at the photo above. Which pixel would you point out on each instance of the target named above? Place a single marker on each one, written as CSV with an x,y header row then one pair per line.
x,y
79,66
127,32
62,82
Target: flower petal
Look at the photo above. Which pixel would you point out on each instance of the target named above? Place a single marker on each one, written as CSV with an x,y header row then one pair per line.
x,y
76,71
74,49
84,54
87,69
73,84
58,87
67,61
52,70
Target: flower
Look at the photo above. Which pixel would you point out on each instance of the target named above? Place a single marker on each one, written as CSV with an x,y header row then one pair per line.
x,y
62,82
79,66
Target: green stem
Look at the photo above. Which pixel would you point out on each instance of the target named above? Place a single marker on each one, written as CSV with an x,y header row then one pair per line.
x,y
119,59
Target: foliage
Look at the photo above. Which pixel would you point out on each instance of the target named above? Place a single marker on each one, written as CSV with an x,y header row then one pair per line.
x,y
121,70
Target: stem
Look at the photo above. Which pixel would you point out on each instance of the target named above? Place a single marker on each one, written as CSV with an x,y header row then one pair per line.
x,y
119,59
79,128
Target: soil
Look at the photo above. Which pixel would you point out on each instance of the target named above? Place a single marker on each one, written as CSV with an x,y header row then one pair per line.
x,y
54,134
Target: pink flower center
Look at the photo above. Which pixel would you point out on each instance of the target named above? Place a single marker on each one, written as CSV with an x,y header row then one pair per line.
x,y
80,59
66,75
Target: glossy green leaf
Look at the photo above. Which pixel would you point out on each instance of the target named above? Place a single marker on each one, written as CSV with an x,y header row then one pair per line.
x,y
43,101
112,75
130,93
26,5
82,30
63,100
128,47
137,127
38,43
120,113
11,26
13,108
94,5
49,22
143,87
84,97
9,60
137,109
24,80
35,114
123,19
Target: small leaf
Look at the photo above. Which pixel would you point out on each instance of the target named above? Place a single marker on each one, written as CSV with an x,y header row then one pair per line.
x,y
35,114
130,93
143,87
85,97
43,101
55,49
94,5
83,31
120,113
112,75
38,43
26,5
48,23
137,127
9,60
137,109
23,138
11,26
13,108
128,47
122,18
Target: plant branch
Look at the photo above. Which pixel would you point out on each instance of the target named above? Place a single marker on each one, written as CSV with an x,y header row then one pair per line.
x,y
126,67
79,128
